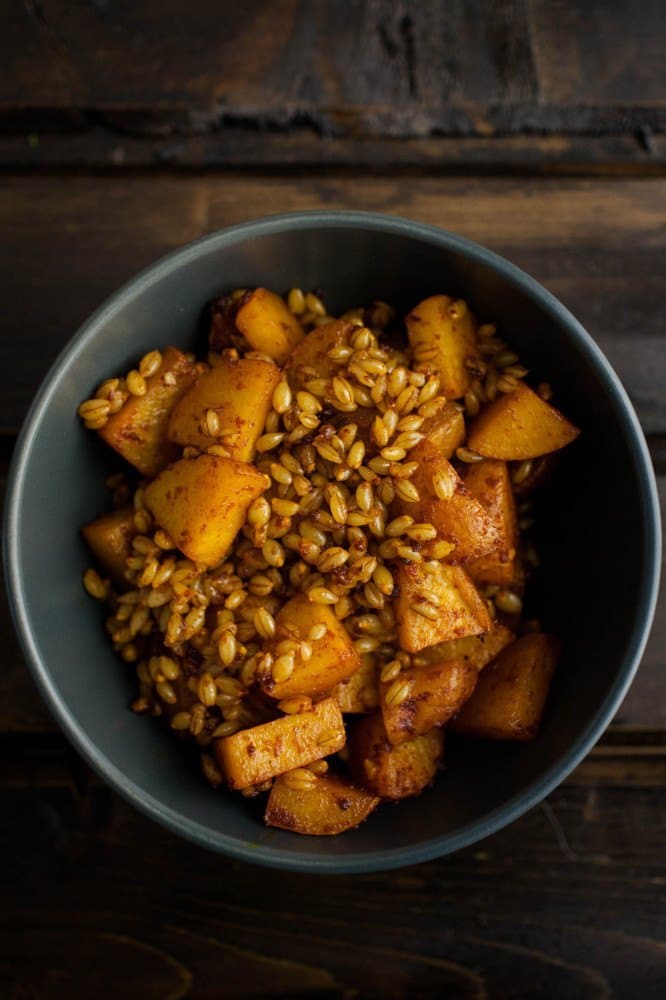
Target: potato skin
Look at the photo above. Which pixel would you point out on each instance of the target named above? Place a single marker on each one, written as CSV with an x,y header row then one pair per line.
x,y
462,610
201,503
240,393
436,693
138,431
510,696
333,659
267,324
490,483
332,806
393,772
109,538
520,425
252,756
443,343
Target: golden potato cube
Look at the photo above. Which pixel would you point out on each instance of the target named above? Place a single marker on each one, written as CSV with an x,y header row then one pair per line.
x,y
254,755
109,538
511,694
332,657
445,430
461,519
266,323
477,650
202,502
393,772
240,393
138,431
332,805
520,425
435,606
442,333
360,692
490,483
310,358
423,697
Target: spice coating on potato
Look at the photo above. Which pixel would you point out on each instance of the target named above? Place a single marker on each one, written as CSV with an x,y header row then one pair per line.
x,y
360,692
109,538
138,431
442,333
490,483
201,503
457,607
511,694
332,805
267,324
310,358
254,755
239,393
393,772
332,657
477,650
520,425
428,696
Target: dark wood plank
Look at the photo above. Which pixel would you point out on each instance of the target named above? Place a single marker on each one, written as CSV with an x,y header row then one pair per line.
x,y
98,900
69,241
383,68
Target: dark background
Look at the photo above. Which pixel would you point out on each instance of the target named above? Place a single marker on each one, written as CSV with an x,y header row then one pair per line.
x,y
532,126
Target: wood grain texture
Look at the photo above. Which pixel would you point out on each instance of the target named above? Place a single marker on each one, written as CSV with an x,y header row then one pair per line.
x,y
375,67
69,242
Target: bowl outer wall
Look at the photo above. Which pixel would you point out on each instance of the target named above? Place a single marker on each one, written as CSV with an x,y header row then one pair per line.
x,y
468,265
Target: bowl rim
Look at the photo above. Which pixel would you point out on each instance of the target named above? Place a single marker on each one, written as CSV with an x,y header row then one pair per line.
x,y
260,852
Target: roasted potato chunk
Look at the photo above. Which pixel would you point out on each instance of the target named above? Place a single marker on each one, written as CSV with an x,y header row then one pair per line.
x,y
254,755
202,502
239,393
310,358
109,538
423,697
442,333
435,606
459,518
393,772
330,805
520,425
477,650
445,430
511,694
331,657
490,483
360,692
267,324
138,431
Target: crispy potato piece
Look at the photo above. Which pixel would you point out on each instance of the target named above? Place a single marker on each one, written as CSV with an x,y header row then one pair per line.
x,y
360,692
201,503
393,772
331,806
477,650
138,431
432,695
333,658
520,425
511,694
490,483
109,538
266,323
254,755
310,358
461,520
442,333
460,610
240,393
445,430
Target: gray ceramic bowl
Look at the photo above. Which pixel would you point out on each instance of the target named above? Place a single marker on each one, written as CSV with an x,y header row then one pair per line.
x,y
602,544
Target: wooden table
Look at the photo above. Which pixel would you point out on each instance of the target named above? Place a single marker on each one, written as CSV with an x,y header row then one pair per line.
x,y
532,126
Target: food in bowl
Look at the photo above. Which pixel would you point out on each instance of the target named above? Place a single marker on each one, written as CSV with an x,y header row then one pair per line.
x,y
317,556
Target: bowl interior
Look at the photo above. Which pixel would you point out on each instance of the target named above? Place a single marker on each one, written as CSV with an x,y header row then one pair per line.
x,y
597,524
